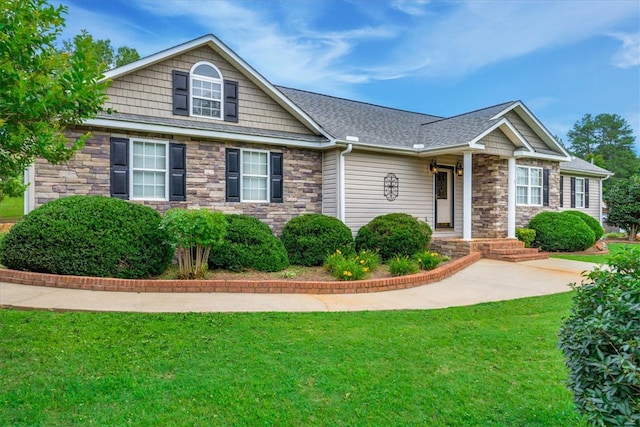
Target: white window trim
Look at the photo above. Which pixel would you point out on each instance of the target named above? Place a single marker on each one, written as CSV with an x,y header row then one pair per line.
x,y
207,79
166,168
268,176
529,186
581,205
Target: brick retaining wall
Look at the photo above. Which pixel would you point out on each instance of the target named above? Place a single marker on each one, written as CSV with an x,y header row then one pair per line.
x,y
237,286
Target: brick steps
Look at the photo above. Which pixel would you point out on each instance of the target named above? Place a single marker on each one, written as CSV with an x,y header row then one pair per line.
x,y
510,250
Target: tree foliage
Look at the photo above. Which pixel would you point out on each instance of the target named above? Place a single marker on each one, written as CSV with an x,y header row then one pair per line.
x,y
608,140
623,205
601,343
109,57
42,90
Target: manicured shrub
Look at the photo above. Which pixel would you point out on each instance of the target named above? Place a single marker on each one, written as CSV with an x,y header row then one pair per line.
x,y
601,342
193,232
310,238
394,234
89,236
401,266
526,235
590,221
428,260
248,245
557,232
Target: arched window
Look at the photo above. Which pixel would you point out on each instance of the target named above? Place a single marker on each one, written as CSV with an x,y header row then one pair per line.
x,y
206,90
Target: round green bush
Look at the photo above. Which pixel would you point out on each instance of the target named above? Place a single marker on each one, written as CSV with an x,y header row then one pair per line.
x,y
310,238
248,245
393,235
557,232
89,236
590,221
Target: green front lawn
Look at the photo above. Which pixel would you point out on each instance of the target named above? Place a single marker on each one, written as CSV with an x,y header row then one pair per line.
x,y
11,208
490,364
614,248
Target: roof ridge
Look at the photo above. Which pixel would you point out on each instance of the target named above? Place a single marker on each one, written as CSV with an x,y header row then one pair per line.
x,y
469,112
359,102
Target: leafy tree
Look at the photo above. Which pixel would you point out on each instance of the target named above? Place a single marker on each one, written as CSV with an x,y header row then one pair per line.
x,y
608,140
623,204
42,90
104,50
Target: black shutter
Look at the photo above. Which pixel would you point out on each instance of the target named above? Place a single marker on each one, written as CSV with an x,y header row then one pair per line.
x,y
230,101
561,191
545,187
180,93
177,172
119,170
276,178
586,192
573,192
232,174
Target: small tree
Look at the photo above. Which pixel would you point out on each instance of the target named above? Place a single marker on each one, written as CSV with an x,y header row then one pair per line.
x,y
42,90
193,233
601,343
623,204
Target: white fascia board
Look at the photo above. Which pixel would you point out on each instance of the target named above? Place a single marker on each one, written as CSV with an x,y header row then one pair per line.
x,y
533,122
519,153
411,151
583,173
514,135
211,134
217,45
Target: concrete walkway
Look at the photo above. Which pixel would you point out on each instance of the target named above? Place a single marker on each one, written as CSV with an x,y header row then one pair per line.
x,y
486,280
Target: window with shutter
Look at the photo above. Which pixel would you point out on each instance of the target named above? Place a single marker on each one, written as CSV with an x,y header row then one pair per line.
x,y
145,169
254,176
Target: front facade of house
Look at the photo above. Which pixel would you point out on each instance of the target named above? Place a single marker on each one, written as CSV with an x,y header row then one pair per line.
x,y
196,126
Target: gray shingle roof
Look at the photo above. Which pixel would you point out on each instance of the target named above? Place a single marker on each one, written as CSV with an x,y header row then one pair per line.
x,y
372,124
582,166
460,129
211,126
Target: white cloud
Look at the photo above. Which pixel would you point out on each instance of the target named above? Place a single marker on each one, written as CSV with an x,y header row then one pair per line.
x,y
476,34
410,7
629,54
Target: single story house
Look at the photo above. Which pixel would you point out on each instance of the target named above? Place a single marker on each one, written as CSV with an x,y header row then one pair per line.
x,y
197,126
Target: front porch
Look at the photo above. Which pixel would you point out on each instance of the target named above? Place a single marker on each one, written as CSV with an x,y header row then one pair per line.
x,y
512,250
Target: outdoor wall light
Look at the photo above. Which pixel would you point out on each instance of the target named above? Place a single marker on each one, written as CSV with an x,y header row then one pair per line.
x,y
459,169
433,167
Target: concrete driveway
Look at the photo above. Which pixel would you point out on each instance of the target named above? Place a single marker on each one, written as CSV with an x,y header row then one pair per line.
x,y
485,281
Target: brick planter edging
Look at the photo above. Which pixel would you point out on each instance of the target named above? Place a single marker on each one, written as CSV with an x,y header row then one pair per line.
x,y
237,286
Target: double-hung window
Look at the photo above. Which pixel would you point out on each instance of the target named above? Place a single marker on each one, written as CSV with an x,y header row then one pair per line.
x,y
149,169
529,186
255,176
206,91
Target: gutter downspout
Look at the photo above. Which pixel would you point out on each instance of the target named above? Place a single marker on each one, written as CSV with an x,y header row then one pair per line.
x,y
341,200
601,200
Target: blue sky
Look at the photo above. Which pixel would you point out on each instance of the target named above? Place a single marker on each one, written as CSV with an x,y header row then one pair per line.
x,y
561,58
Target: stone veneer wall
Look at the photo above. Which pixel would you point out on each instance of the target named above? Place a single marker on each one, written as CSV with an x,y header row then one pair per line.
x,y
525,213
88,173
490,197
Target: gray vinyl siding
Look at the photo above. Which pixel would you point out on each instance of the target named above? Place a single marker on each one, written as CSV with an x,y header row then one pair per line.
x,y
330,183
364,187
528,133
498,144
148,92
595,188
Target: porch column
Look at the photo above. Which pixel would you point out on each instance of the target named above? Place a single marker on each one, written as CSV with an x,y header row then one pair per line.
x,y
466,197
511,203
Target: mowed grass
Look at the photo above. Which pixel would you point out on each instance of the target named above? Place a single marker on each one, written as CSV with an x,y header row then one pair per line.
x,y
614,248
492,364
11,208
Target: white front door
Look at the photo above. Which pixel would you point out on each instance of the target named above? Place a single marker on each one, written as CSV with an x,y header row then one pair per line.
x,y
444,198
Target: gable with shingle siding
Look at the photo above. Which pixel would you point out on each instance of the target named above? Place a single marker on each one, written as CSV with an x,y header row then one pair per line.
x,y
148,92
532,138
